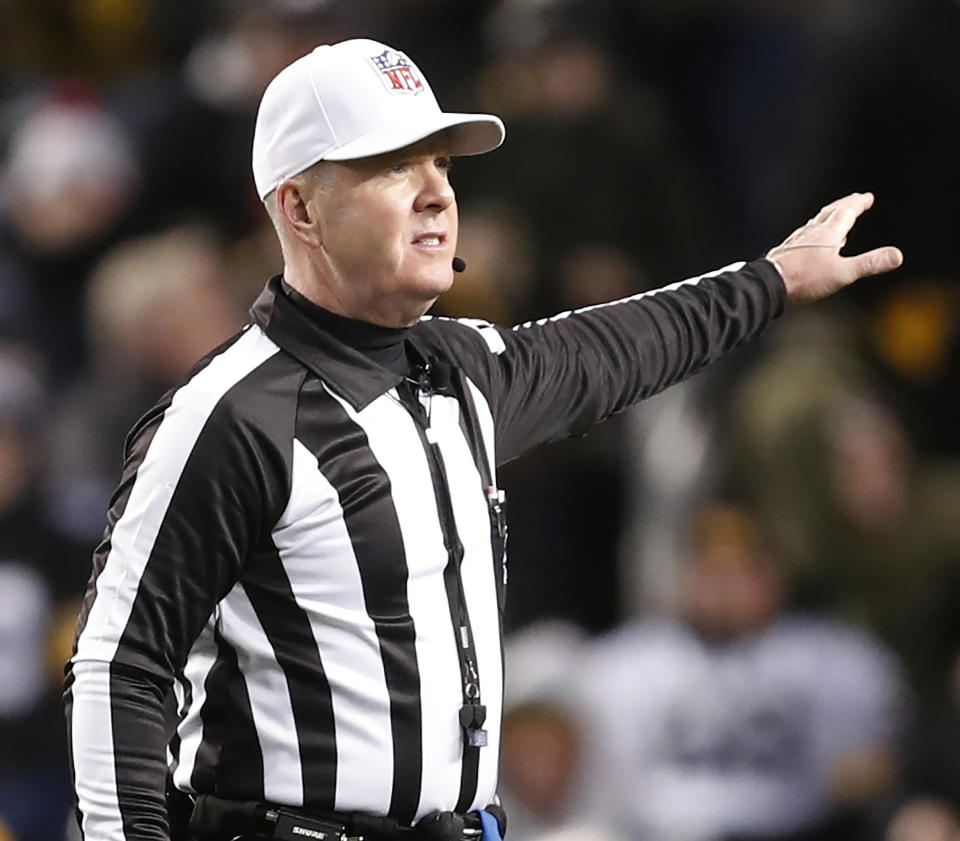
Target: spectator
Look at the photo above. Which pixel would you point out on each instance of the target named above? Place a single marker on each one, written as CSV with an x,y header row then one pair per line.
x,y
869,529
154,306
738,719
590,158
70,177
41,580
541,769
927,805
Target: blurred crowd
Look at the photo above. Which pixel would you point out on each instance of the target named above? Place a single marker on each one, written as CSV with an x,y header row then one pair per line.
x,y
733,609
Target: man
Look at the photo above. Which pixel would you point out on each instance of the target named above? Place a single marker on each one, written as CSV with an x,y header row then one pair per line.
x,y
308,539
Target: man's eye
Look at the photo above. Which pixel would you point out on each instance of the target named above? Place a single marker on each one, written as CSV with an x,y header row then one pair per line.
x,y
445,164
399,167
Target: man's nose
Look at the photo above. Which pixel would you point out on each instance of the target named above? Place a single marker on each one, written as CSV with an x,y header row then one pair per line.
x,y
436,191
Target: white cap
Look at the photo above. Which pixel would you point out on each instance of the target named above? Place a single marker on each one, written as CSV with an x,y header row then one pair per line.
x,y
352,100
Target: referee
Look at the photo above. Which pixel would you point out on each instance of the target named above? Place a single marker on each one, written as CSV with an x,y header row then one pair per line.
x,y
307,542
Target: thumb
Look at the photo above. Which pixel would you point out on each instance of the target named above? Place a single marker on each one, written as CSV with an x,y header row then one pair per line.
x,y
874,262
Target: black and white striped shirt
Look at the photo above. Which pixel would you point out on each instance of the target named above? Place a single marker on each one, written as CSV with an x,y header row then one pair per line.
x,y
309,552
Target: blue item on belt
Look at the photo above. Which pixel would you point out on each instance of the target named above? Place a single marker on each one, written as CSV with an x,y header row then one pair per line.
x,y
491,826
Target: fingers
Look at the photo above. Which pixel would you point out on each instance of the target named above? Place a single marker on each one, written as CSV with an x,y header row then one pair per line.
x,y
859,202
874,262
833,222
840,222
836,220
841,214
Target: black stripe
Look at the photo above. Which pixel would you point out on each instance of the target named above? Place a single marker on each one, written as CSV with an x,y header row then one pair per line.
x,y
240,774
139,733
213,714
346,460
470,426
288,629
229,762
233,487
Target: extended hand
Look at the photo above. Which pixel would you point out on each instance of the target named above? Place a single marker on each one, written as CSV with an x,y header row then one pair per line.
x,y
809,259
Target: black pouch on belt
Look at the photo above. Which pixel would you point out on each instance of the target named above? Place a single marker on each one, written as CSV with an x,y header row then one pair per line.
x,y
214,819
440,826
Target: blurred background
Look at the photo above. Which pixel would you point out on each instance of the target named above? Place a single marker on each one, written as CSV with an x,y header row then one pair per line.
x,y
733,609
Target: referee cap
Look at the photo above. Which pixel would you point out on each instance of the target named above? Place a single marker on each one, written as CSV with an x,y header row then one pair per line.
x,y
352,100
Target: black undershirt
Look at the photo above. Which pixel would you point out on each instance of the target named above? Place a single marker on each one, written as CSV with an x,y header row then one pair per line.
x,y
382,345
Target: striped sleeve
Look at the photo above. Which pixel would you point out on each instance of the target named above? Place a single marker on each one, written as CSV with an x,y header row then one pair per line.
x,y
201,480
556,377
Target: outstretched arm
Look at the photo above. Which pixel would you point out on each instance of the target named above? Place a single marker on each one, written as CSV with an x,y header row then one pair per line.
x,y
558,376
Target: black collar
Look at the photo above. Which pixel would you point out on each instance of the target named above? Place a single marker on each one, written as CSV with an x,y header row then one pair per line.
x,y
382,345
351,373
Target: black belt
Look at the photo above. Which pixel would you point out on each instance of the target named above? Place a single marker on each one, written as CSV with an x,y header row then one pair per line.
x,y
216,819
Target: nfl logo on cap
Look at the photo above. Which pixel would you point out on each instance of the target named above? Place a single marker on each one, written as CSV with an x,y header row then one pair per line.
x,y
397,71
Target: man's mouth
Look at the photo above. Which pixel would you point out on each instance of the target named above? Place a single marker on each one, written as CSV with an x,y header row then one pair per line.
x,y
431,239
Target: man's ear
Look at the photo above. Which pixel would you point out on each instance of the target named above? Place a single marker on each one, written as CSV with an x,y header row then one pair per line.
x,y
298,212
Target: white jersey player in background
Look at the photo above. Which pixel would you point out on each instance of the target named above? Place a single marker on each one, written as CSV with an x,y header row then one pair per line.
x,y
736,720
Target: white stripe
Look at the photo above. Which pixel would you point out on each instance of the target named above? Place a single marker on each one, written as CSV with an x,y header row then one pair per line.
x,y
495,341
180,695
312,531
477,571
396,445
200,661
131,542
269,698
692,281
92,744
488,332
